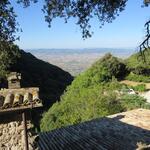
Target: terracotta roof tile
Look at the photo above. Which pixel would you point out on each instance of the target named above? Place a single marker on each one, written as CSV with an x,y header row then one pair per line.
x,y
18,98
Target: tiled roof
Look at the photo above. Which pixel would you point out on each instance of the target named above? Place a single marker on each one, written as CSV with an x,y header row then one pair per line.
x,y
122,131
14,99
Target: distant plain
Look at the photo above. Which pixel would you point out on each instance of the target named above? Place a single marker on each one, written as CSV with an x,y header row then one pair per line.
x,y
76,61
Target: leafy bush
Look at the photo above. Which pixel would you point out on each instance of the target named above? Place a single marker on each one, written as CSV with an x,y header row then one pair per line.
x,y
140,88
113,65
146,106
139,67
92,94
72,109
139,64
138,78
9,53
89,103
132,101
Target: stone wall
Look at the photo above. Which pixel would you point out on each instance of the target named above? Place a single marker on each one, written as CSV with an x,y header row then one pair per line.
x,y
12,134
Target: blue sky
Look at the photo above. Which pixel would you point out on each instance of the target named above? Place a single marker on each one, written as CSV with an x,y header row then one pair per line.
x,y
126,31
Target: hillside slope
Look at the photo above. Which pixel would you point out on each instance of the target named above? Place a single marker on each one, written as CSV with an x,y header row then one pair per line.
x,y
138,67
51,80
93,94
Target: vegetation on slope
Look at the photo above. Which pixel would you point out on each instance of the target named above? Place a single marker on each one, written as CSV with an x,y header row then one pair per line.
x,y
94,93
7,57
51,80
138,67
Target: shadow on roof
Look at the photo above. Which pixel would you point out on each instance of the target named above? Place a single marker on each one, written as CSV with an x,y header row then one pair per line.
x,y
99,134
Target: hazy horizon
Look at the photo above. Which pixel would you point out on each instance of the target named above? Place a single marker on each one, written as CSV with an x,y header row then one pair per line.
x,y
84,48
76,61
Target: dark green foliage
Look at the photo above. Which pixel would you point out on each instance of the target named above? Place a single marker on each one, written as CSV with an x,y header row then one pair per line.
x,y
140,88
88,103
132,101
93,94
138,78
8,56
146,106
145,45
51,79
84,11
8,27
104,70
115,67
139,67
80,105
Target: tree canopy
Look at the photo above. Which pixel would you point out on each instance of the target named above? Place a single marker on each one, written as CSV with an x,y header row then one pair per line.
x,y
82,10
8,27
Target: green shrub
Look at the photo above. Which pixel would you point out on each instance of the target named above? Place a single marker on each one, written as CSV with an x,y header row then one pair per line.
x,y
137,65
88,104
132,101
140,88
9,53
138,78
93,94
146,106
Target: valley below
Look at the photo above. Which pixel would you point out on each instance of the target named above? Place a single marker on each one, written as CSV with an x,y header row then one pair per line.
x,y
76,61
